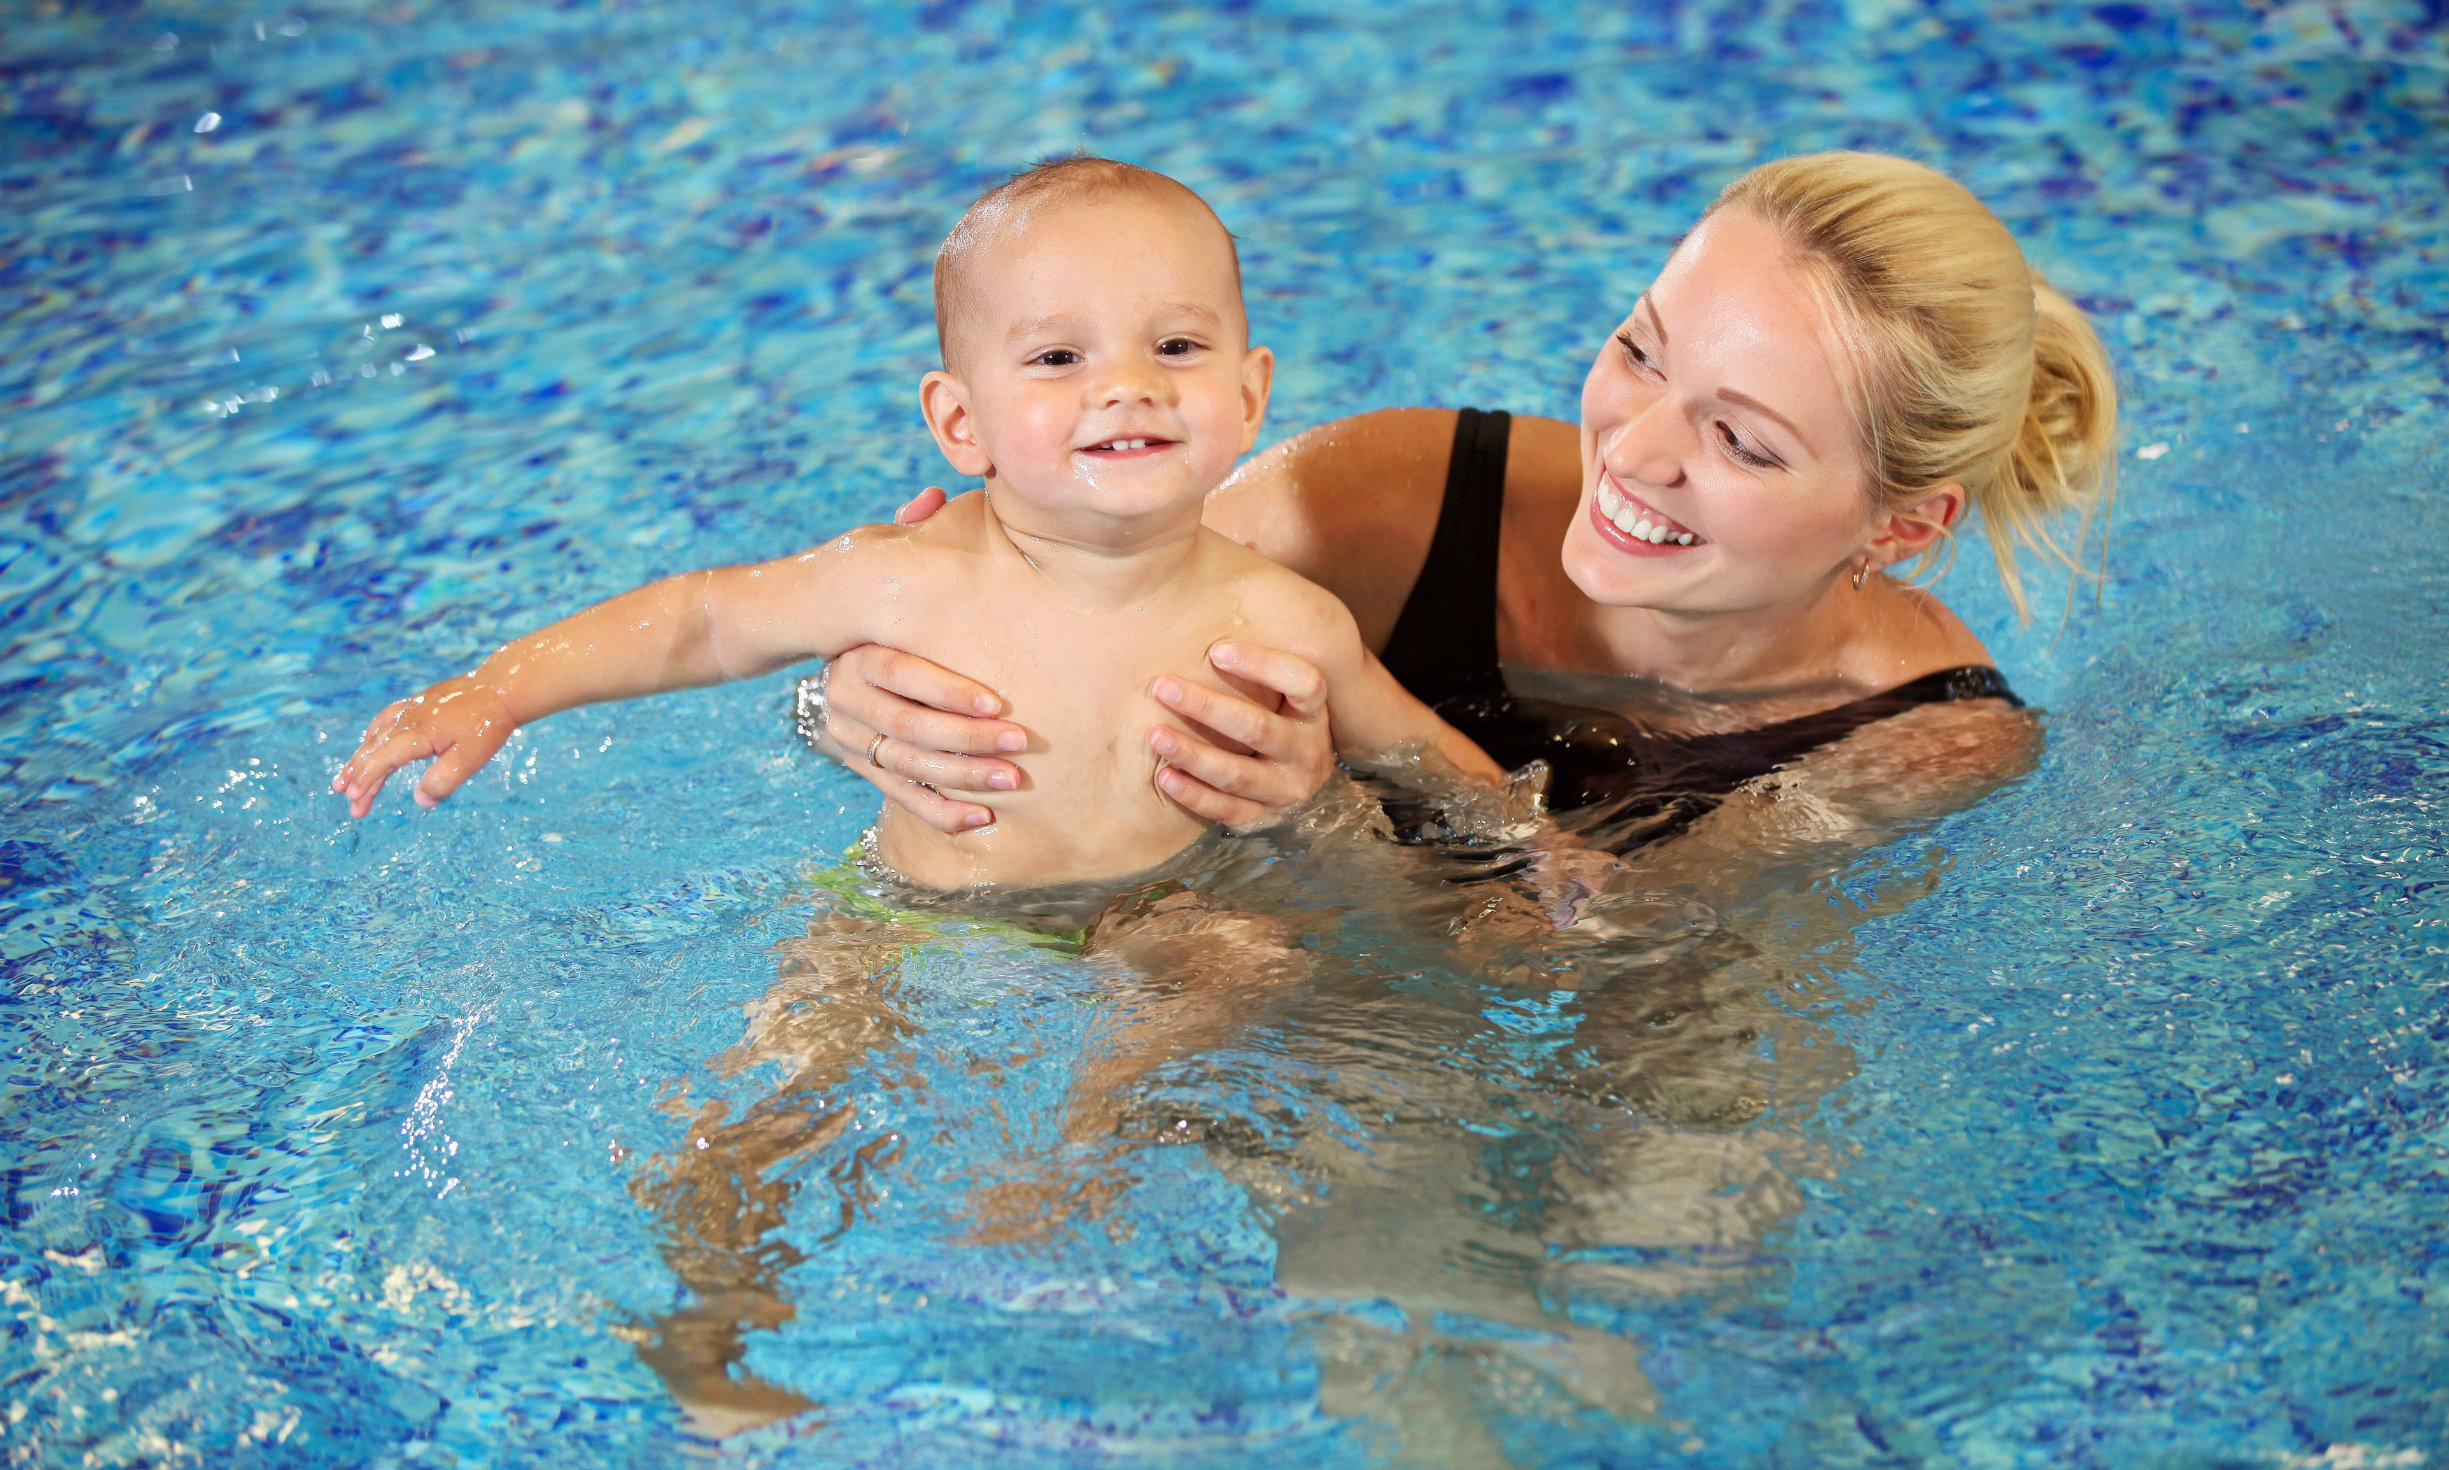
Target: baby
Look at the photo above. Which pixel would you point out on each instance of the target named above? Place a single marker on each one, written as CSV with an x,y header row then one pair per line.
x,y
1098,376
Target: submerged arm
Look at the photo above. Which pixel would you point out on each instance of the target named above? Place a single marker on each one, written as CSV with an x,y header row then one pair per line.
x,y
1863,790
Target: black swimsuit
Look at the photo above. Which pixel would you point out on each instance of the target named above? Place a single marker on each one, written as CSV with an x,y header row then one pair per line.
x,y
1631,785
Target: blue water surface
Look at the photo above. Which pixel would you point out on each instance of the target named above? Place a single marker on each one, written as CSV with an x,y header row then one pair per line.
x,y
2104,1124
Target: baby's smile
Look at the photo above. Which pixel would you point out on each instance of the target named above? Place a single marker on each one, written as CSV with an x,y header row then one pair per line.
x,y
1144,446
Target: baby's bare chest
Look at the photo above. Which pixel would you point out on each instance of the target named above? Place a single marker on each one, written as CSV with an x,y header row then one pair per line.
x,y
1082,684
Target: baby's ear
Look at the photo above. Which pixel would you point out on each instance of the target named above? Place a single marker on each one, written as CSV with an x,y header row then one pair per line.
x,y
1258,381
945,402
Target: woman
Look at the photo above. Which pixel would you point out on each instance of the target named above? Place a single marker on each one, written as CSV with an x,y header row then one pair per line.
x,y
1846,359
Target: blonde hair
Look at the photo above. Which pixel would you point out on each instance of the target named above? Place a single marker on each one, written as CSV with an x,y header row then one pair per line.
x,y
1973,369
1075,179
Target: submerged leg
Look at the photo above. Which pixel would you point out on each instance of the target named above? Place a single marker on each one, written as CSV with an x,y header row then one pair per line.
x,y
1184,976
729,1186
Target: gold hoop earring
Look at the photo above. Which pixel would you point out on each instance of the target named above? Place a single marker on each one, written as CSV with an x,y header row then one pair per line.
x,y
1861,572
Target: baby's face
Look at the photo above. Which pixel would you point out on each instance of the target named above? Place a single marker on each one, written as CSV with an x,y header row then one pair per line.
x,y
1101,373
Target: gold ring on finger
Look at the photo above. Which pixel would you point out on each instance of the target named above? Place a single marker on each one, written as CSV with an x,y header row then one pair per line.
x,y
873,746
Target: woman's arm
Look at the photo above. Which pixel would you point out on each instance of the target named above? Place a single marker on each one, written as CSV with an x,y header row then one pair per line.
x,y
1862,790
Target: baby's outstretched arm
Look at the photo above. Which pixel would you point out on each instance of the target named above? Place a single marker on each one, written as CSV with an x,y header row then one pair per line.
x,y
694,629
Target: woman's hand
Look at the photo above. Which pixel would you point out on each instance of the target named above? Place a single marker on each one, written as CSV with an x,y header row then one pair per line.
x,y
939,728
1289,748
941,732
458,723
915,731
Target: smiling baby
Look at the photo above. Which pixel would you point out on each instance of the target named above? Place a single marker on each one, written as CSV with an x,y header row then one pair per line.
x,y
1098,377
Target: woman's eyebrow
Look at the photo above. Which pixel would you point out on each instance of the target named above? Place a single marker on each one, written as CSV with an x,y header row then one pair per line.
x,y
1644,306
1745,400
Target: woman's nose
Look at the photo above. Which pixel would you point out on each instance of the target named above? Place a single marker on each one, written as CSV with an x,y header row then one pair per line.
x,y
1649,447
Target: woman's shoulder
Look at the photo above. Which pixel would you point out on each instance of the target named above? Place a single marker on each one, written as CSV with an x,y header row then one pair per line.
x,y
1915,636
1350,504
1345,475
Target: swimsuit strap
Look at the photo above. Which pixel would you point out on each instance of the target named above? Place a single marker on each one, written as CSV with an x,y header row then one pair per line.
x,y
1445,640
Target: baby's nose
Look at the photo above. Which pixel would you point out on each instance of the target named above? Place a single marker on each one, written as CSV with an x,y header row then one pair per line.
x,y
1131,382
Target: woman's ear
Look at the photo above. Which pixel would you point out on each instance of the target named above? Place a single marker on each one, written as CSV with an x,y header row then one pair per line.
x,y
1908,531
945,402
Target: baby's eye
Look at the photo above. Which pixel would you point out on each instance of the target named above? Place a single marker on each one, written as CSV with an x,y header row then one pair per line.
x,y
1177,347
1056,357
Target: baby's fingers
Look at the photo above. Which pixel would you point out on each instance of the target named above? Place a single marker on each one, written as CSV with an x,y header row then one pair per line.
x,y
378,730
450,769
362,779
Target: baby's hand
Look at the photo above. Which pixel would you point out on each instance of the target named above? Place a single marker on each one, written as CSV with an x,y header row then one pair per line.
x,y
459,722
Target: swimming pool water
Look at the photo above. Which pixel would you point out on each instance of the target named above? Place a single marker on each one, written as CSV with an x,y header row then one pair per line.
x,y
2106,1123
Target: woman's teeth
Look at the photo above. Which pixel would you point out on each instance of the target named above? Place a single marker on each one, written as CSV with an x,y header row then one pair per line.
x,y
1635,522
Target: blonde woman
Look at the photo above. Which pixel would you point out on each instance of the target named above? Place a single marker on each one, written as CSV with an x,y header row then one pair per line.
x,y
1847,362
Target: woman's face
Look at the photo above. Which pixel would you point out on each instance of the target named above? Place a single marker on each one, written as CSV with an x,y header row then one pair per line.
x,y
1721,470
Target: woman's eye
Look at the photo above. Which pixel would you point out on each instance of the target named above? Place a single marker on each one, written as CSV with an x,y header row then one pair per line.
x,y
1633,351
1736,447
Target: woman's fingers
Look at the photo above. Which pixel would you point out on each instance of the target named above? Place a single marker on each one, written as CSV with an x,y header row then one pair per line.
x,y
931,752
1253,778
874,684
916,762
1290,751
943,813
903,774
1229,715
1288,674
922,505
1202,800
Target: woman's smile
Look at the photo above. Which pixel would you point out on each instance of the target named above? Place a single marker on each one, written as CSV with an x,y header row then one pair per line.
x,y
1631,524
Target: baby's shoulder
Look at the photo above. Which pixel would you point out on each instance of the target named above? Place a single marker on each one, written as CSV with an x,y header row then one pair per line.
x,y
1281,606
950,532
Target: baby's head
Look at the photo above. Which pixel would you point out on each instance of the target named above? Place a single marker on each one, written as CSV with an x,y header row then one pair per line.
x,y
1097,365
